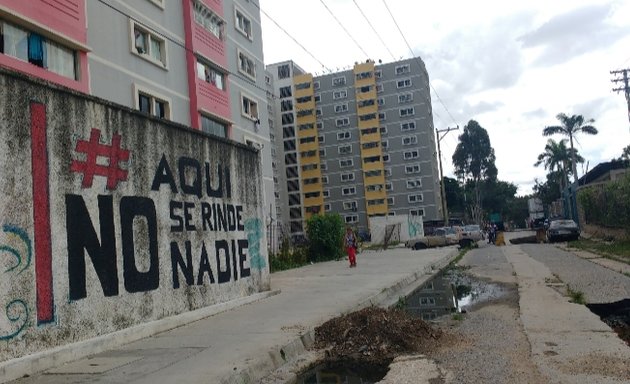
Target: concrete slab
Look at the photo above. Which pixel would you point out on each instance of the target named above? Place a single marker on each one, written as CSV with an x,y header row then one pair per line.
x,y
93,365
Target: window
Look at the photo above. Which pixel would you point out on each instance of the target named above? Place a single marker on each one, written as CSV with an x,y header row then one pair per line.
x,y
209,20
416,212
308,154
285,92
376,202
350,205
374,188
337,81
345,163
305,127
406,83
407,155
373,173
388,172
427,301
409,140
326,193
322,152
316,85
408,126
323,166
405,98
371,159
414,198
378,74
309,167
365,103
342,122
286,105
249,108
401,69
324,179
351,219
148,45
382,116
380,88
242,24
321,139
305,112
284,71
305,85
389,187
312,180
342,94
383,130
319,125
369,116
210,75
327,207
363,75
364,89
37,50
370,145
151,104
412,168
318,98
308,139
344,135
347,176
385,144
386,158
304,99
339,108
380,101
287,118
406,112
344,149
213,127
414,184
368,131
246,65
347,191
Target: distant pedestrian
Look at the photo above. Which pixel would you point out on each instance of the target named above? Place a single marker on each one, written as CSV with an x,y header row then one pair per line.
x,y
350,242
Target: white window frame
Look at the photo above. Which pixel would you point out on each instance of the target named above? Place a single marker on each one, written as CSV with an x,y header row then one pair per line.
x,y
414,183
327,207
380,88
348,191
416,198
210,16
411,169
386,158
248,59
383,130
416,212
243,29
382,116
342,163
404,98
326,193
380,101
410,140
351,219
384,144
412,154
342,122
402,69
349,176
345,135
338,81
211,74
404,112
340,94
321,139
341,108
316,85
153,96
317,97
251,102
151,36
408,126
389,186
324,179
349,205
378,74
323,166
343,147
403,83
387,172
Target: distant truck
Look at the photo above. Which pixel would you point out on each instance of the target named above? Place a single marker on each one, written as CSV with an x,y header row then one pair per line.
x,y
535,208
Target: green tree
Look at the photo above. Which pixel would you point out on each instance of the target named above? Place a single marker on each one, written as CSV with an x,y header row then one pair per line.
x,y
571,126
474,160
325,237
556,157
548,190
455,199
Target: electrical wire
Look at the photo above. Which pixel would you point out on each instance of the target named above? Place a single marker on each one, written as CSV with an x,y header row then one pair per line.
x,y
344,28
374,30
416,59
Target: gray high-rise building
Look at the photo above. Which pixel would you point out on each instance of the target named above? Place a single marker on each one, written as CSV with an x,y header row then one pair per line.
x,y
359,142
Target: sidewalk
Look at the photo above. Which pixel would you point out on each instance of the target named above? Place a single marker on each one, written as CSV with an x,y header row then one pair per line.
x,y
244,344
614,265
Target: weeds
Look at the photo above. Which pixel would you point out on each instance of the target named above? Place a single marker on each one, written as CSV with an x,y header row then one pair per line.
x,y
401,303
457,317
615,250
577,297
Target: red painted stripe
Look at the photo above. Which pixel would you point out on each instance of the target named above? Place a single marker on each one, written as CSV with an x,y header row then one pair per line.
x,y
41,215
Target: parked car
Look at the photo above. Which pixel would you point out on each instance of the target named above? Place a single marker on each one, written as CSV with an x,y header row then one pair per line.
x,y
562,230
441,237
471,234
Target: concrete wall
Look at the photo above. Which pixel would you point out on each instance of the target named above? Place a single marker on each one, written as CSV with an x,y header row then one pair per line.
x,y
405,227
89,245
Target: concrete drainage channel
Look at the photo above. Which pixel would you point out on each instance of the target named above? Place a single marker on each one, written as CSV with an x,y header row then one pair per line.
x,y
294,362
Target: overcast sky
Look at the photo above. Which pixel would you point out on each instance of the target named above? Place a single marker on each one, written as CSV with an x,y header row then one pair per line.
x,y
511,65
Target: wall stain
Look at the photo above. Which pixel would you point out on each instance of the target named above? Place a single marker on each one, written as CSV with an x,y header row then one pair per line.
x,y
253,230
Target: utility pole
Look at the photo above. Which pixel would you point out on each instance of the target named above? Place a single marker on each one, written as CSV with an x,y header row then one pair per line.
x,y
625,87
439,138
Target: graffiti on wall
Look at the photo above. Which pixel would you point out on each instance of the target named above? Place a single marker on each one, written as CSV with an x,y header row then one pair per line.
x,y
17,245
253,228
414,226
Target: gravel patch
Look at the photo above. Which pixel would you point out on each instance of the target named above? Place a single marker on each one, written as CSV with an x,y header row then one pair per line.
x,y
599,284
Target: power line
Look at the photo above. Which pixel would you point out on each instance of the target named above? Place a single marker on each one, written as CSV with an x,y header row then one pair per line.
x,y
416,59
344,28
373,29
291,37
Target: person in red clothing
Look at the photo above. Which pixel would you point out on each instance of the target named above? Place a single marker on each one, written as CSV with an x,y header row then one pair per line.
x,y
350,242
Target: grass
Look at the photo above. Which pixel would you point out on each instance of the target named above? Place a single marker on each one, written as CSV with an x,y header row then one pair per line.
x,y
576,296
615,250
457,316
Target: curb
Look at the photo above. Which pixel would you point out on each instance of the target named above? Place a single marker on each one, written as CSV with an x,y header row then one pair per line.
x,y
282,363
41,361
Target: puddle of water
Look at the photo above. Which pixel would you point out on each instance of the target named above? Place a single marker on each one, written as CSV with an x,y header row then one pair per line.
x,y
450,293
344,373
616,315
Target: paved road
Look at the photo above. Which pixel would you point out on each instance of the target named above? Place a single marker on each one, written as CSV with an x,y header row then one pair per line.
x,y
245,343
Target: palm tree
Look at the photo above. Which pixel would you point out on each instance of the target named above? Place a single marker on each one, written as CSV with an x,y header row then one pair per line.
x,y
556,157
571,125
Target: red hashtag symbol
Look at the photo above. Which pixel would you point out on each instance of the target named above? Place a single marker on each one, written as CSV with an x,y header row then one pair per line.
x,y
93,149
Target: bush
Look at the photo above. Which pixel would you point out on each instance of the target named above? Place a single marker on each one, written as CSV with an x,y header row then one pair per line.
x,y
287,257
607,205
325,237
